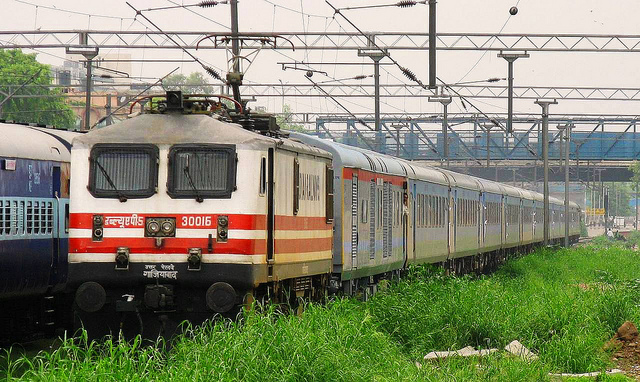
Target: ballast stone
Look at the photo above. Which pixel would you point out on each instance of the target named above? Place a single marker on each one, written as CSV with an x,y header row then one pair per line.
x,y
467,351
518,349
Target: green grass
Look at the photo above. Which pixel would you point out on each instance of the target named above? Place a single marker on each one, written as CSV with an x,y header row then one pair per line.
x,y
563,305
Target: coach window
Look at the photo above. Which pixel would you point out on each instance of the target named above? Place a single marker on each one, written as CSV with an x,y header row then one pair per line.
x,y
296,186
202,171
263,175
328,190
123,171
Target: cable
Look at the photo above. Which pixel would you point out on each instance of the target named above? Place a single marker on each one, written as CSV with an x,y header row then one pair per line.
x,y
72,12
486,51
293,10
202,16
400,4
406,71
211,71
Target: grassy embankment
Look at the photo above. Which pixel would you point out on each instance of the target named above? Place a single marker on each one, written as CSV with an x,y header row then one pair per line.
x,y
563,305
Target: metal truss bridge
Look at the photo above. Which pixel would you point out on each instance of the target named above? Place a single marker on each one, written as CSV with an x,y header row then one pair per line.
x,y
476,144
40,39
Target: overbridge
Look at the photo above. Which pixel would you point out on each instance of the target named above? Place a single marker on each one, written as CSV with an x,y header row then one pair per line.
x,y
601,147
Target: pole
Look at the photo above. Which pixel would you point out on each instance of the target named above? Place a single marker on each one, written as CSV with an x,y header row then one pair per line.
x,y
376,55
87,100
234,78
445,134
376,100
544,104
488,128
235,44
510,102
567,134
109,119
432,44
511,57
545,158
636,206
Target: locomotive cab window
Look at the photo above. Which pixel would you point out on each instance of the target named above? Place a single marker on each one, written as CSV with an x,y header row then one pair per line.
x,y
123,171
202,171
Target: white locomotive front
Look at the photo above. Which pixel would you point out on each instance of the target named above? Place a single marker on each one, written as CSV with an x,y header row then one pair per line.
x,y
175,213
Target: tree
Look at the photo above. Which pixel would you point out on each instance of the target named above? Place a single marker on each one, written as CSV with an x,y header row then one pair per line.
x,y
635,180
195,83
619,198
45,107
284,120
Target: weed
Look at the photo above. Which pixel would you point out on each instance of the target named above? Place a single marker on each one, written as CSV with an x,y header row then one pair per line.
x,y
563,305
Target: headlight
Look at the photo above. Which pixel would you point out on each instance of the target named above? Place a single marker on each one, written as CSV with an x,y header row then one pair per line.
x,y
159,227
167,226
153,226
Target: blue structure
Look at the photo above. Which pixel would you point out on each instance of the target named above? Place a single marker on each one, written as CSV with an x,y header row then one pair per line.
x,y
422,139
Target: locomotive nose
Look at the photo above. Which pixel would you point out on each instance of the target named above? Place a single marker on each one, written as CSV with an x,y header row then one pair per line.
x,y
221,297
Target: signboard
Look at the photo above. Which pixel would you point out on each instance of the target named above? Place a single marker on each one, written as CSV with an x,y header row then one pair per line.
x,y
595,211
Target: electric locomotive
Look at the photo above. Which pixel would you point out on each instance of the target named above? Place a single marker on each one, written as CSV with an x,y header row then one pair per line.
x,y
181,213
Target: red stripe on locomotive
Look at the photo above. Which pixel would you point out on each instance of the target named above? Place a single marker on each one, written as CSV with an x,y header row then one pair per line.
x,y
236,221
170,245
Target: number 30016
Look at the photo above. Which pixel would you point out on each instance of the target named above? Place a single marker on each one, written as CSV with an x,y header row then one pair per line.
x,y
196,221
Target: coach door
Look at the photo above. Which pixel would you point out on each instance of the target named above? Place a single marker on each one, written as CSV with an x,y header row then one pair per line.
x,y
452,221
354,221
482,223
503,225
58,223
521,221
270,212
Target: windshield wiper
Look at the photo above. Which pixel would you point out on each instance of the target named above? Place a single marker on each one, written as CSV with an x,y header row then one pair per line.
x,y
193,186
121,196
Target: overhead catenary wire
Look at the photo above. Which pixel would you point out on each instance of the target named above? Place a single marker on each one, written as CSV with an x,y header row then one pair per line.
x,y
406,71
201,15
211,71
202,4
54,8
136,96
399,4
486,51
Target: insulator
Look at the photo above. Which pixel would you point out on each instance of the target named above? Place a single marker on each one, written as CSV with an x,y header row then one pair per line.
x,y
207,4
405,3
463,105
360,77
409,74
213,73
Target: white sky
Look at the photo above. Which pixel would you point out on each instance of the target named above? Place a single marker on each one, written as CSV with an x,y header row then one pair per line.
x,y
459,16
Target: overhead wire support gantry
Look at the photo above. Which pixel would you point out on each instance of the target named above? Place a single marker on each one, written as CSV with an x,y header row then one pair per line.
x,y
42,39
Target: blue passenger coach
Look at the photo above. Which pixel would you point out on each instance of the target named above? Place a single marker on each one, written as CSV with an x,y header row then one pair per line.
x,y
34,207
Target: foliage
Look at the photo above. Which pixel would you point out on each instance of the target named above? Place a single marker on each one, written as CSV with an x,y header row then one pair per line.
x,y
284,120
563,305
17,68
194,83
584,232
635,169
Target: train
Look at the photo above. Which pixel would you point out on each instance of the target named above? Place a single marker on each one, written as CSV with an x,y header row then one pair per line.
x,y
34,213
188,210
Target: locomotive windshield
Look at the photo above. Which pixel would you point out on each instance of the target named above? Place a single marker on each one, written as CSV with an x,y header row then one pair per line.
x,y
202,171
123,171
